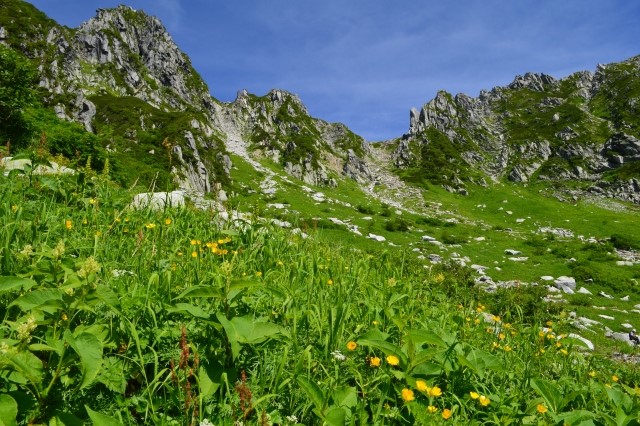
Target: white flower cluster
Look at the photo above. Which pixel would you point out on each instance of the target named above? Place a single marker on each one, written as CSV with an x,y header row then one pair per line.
x,y
338,355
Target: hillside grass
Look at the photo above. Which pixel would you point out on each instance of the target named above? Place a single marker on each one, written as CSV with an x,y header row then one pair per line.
x,y
121,316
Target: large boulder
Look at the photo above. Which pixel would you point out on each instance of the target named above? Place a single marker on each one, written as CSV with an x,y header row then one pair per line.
x,y
158,200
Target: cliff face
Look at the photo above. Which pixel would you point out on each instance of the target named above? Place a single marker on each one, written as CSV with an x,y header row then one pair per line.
x,y
583,127
120,73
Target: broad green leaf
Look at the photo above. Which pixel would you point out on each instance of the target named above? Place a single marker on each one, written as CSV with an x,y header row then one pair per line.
x,y
89,349
195,311
101,419
40,347
37,298
345,396
426,355
335,416
313,391
8,410
386,347
244,283
619,398
549,392
575,417
374,334
15,283
238,287
246,330
65,419
480,361
427,369
420,337
28,365
210,378
108,297
200,291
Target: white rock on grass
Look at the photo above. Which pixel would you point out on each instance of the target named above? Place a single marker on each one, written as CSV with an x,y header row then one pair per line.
x,y
623,337
627,326
512,252
547,278
519,259
586,341
625,299
565,282
583,290
584,323
479,268
375,237
158,200
52,169
479,238
605,295
607,317
428,238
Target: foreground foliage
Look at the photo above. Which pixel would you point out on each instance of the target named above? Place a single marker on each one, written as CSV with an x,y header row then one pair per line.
x,y
174,317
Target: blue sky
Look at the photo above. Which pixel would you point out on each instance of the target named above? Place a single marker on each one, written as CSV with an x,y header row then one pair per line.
x,y
365,63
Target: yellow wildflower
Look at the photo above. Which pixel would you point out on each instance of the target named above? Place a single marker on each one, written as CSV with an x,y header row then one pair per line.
x,y
194,254
501,336
167,221
592,374
435,391
150,225
68,224
407,395
474,395
352,346
541,408
484,401
330,281
374,361
446,413
615,378
393,360
421,385
431,409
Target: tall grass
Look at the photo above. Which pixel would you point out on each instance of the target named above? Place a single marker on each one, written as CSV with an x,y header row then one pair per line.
x,y
122,316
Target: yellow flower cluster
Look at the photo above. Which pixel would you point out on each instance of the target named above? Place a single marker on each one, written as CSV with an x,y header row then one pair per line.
x,y
482,400
212,246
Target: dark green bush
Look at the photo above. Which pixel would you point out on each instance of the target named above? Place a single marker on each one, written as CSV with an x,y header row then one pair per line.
x,y
365,209
624,242
397,224
449,238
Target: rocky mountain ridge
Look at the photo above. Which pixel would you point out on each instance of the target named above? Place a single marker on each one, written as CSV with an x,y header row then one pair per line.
x,y
581,127
122,76
97,73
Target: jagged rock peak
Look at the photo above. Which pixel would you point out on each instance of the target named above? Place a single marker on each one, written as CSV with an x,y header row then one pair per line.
x,y
533,81
115,36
